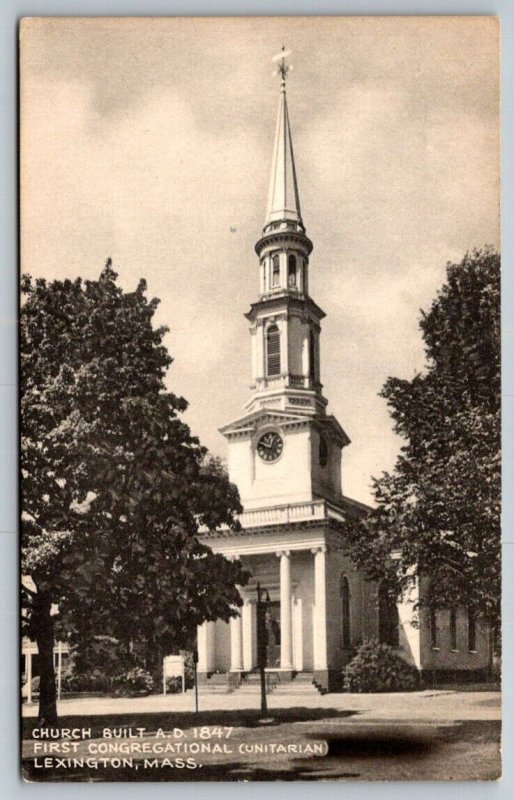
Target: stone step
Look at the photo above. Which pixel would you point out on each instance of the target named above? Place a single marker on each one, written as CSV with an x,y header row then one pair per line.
x,y
250,690
301,683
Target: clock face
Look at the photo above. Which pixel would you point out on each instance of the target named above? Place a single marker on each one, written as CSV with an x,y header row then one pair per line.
x,y
323,452
270,446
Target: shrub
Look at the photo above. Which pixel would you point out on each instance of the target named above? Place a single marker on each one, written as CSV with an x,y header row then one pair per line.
x,y
95,681
136,681
174,685
377,668
189,668
102,654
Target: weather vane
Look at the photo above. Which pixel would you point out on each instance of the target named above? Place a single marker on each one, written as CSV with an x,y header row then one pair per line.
x,y
281,65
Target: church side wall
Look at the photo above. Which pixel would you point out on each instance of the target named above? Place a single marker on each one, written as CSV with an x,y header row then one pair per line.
x,y
326,481
363,612
443,661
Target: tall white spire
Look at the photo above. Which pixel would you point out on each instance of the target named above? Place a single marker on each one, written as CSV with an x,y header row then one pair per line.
x,y
283,198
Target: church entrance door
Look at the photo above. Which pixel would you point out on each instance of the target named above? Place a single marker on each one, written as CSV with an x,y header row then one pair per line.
x,y
273,635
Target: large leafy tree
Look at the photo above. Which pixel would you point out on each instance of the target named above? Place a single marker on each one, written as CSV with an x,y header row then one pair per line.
x,y
115,489
438,512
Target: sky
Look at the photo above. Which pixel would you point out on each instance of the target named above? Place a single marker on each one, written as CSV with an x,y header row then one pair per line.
x,y
149,141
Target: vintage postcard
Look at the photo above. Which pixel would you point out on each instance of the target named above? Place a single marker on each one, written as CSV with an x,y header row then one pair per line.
x,y
260,399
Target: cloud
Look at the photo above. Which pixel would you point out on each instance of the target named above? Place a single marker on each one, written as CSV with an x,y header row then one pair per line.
x,y
138,146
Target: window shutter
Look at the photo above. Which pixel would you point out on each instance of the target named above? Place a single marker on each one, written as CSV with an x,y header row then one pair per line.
x,y
273,351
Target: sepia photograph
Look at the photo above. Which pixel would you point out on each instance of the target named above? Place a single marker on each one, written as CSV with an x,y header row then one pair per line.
x,y
260,399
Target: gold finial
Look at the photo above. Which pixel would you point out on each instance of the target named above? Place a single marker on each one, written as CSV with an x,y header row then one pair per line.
x,y
282,67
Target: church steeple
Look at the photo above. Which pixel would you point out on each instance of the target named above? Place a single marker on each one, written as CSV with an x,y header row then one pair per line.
x,y
283,198
286,448
284,248
285,322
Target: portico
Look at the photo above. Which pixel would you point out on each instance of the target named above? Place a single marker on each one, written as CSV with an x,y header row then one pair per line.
x,y
289,562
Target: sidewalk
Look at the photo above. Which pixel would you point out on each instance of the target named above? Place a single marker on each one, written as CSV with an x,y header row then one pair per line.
x,y
431,706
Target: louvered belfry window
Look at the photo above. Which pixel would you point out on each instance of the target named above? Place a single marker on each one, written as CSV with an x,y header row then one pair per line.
x,y
273,351
275,272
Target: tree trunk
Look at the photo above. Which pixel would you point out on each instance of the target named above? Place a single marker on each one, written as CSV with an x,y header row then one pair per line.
x,y
44,633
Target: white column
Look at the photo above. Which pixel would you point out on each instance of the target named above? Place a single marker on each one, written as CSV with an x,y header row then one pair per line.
x,y
320,613
203,658
207,646
298,634
236,642
286,627
236,633
247,623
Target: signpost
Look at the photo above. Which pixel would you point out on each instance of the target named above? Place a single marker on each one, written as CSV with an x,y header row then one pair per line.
x,y
195,663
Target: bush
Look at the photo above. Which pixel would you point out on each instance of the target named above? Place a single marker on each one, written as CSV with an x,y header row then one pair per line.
x,y
136,681
95,681
189,668
377,668
102,654
174,685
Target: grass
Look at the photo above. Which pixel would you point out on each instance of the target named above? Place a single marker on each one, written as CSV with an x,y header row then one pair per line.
x,y
357,749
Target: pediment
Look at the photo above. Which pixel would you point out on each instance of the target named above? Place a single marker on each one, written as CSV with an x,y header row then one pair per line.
x,y
251,422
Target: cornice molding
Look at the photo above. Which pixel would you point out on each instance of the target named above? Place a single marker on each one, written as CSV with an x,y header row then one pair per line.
x,y
280,237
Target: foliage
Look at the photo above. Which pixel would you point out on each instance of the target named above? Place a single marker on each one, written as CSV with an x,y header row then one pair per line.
x,y
103,654
114,486
97,682
174,684
189,668
377,668
438,512
137,681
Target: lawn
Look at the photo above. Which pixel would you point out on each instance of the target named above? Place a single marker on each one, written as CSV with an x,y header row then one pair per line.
x,y
298,744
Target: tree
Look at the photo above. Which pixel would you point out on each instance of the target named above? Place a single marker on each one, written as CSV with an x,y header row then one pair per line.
x,y
438,512
115,489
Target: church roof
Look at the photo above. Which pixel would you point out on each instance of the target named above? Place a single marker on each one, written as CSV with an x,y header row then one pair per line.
x,y
283,198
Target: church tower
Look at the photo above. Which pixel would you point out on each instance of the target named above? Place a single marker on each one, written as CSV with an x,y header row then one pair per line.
x,y
287,448
284,455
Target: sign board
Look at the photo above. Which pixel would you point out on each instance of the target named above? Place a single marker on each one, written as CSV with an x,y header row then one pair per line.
x,y
173,667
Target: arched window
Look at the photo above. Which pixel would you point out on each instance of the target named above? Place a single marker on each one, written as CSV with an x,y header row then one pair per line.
x,y
453,629
434,639
472,632
275,271
273,351
291,271
345,611
388,620
312,356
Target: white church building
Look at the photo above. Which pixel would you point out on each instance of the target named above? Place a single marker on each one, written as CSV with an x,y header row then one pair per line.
x,y
285,456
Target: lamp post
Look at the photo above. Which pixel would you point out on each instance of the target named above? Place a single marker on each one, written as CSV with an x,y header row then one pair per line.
x,y
195,667
263,600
